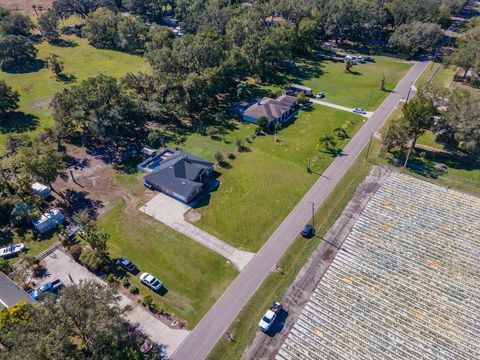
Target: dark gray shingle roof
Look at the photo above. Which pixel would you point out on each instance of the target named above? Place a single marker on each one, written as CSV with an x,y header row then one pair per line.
x,y
10,293
179,173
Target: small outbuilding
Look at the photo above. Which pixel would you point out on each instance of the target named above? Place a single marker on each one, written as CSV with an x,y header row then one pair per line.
x,y
301,89
40,190
48,221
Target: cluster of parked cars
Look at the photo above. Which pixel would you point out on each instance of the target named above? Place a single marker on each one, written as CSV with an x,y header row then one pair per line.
x,y
358,59
146,279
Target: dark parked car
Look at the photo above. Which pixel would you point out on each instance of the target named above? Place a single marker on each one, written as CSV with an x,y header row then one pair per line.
x,y
308,231
369,59
127,265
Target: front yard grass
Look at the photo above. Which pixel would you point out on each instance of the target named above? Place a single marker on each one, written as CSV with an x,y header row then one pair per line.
x,y
264,184
194,276
37,88
359,88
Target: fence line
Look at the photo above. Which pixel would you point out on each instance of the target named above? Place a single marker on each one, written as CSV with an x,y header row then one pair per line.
x,y
39,257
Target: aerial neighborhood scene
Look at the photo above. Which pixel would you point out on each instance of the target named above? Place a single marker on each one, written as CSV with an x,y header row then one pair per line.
x,y
226,180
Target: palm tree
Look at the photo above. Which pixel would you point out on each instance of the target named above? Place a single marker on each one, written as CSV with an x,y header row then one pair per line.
x,y
244,91
157,136
328,142
277,126
341,133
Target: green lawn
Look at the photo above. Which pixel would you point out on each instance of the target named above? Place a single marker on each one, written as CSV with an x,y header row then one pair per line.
x,y
194,276
35,244
263,185
244,328
360,88
37,88
428,139
441,77
204,146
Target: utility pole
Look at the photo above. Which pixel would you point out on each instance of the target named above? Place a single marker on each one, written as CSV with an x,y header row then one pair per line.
x,y
408,155
409,90
368,148
313,213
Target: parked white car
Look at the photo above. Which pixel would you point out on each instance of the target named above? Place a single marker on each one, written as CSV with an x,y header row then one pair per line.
x,y
359,111
269,318
151,281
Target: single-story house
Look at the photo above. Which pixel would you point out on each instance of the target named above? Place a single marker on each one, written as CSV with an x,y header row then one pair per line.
x,y
278,109
48,220
11,293
180,175
40,190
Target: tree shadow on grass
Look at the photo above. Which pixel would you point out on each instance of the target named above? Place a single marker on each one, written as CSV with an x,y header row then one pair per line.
x,y
353,72
67,78
63,43
19,122
74,201
33,66
300,73
6,236
425,164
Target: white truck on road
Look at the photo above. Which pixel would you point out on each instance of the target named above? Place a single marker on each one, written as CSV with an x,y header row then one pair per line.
x,y
269,318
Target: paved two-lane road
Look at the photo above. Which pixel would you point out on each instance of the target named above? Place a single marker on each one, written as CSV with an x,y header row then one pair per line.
x,y
204,337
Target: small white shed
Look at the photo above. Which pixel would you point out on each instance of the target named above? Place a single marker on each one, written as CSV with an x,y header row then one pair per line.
x,y
41,190
48,220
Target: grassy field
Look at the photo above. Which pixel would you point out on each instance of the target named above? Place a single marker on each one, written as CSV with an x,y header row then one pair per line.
x,y
38,86
244,328
263,185
359,88
182,264
441,77
428,139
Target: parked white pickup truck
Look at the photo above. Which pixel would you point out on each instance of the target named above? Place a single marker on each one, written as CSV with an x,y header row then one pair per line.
x,y
269,318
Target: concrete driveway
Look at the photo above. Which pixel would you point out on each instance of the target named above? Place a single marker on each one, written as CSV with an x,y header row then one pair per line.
x,y
171,212
340,107
63,267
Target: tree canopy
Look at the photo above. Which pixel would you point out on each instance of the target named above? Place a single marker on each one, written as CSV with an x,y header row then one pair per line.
x,y
16,51
413,38
8,99
98,108
86,324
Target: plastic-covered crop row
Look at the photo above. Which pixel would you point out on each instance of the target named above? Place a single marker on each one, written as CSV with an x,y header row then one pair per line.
x,y
405,284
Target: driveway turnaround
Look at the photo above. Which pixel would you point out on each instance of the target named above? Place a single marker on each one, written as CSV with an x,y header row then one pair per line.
x,y
204,337
340,107
171,212
61,266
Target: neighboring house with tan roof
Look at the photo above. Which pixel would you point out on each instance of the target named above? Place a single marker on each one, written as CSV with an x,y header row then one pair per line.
x,y
278,109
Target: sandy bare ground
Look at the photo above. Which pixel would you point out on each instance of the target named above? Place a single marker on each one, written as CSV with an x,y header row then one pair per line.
x,y
91,184
25,6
